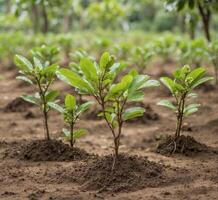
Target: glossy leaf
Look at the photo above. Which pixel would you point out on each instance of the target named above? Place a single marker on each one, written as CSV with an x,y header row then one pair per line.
x,y
23,64
70,102
132,113
167,104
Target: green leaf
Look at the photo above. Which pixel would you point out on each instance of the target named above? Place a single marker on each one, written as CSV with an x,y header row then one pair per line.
x,y
136,96
167,104
37,63
51,69
23,64
51,96
104,60
56,107
30,99
121,86
201,81
75,80
192,108
132,113
151,83
171,85
83,107
79,133
138,82
24,78
89,70
192,95
196,74
70,102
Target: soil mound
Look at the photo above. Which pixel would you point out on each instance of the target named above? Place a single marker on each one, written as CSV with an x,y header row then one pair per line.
x,y
184,144
17,105
42,150
131,173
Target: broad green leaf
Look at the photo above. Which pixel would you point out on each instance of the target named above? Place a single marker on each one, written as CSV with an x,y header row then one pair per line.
x,y
136,96
138,82
89,70
79,133
121,86
30,99
150,83
192,95
70,102
167,104
83,107
104,60
191,109
195,75
117,67
51,96
23,64
51,69
132,113
56,107
37,63
75,80
171,85
24,78
201,81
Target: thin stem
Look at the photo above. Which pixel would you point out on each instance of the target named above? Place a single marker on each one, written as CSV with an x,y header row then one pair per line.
x,y
44,105
71,135
180,114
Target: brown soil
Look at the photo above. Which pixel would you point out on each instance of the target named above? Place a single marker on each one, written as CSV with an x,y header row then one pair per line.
x,y
43,150
184,144
131,173
149,175
17,105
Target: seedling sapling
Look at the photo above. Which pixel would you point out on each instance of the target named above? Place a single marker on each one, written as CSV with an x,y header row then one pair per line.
x,y
142,56
71,112
184,81
98,80
40,76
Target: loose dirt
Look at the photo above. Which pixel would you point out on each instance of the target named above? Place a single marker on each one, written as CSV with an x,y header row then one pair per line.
x,y
142,175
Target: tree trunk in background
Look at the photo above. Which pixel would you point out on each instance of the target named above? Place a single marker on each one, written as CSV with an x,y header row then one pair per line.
x,y
45,25
206,18
8,6
35,17
183,25
68,22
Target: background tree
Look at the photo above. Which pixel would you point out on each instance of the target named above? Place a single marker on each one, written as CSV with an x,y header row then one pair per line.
x,y
205,9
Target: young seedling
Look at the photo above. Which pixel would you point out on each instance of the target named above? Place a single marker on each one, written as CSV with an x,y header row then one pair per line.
x,y
41,76
46,54
71,112
99,81
142,56
184,81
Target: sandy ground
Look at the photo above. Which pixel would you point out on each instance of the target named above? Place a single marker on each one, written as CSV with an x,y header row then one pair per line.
x,y
40,180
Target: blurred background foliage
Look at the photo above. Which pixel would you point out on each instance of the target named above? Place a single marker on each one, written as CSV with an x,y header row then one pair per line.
x,y
70,15
138,32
